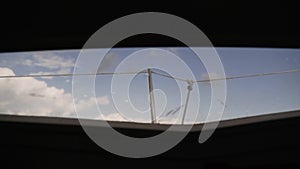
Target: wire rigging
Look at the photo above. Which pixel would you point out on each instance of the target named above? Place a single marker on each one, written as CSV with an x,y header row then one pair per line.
x,y
71,74
228,78
145,72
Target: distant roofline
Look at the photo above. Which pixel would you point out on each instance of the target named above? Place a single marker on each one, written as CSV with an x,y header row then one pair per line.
x,y
145,126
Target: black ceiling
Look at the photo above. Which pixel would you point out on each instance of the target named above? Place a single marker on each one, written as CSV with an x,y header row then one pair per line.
x,y
48,25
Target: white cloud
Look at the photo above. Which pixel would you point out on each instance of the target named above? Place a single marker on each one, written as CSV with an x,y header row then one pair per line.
x,y
51,61
29,96
167,120
89,102
120,117
55,64
60,71
46,62
111,117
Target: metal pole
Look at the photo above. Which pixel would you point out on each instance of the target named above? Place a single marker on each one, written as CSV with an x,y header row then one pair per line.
x,y
152,103
190,88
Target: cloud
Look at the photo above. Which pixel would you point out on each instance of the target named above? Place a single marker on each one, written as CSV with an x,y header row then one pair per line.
x,y
46,62
89,102
167,120
29,96
120,117
103,100
51,61
111,117
60,71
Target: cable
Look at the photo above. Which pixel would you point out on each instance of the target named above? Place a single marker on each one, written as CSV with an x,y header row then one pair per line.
x,y
168,76
154,72
71,74
248,76
227,78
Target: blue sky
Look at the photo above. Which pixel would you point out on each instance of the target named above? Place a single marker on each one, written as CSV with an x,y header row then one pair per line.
x,y
245,97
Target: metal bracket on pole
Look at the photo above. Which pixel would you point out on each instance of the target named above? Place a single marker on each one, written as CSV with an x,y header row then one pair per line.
x,y
152,102
190,88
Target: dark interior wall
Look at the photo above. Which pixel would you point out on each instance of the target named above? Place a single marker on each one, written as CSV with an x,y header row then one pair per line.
x,y
43,25
268,144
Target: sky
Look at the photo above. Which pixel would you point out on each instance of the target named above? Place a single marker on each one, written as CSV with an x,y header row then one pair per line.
x,y
53,96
